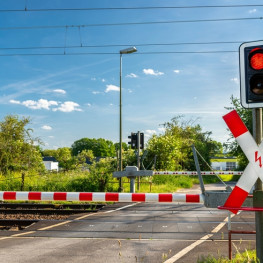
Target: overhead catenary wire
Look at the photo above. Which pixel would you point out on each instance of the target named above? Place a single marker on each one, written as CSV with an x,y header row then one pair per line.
x,y
83,46
121,45
27,9
130,23
116,53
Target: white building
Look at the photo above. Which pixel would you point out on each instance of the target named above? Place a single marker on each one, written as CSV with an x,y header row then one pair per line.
x,y
224,163
50,163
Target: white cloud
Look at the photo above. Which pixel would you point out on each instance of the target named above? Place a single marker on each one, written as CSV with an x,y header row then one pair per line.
x,y
236,80
112,88
40,104
68,106
88,104
177,71
149,133
46,127
103,80
61,91
152,72
162,129
252,11
96,92
14,101
131,75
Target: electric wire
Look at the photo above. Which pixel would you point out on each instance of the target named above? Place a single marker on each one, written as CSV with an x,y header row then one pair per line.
x,y
130,23
116,53
26,9
81,46
121,45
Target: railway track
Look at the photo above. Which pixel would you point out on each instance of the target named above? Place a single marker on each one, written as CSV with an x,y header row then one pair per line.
x,y
48,209
18,216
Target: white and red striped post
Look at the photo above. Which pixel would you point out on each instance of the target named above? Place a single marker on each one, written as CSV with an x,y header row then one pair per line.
x,y
254,155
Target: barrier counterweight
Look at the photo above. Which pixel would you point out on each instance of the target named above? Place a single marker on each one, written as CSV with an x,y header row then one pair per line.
x,y
101,197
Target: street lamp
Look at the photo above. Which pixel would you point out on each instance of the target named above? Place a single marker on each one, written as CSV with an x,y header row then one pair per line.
x,y
123,51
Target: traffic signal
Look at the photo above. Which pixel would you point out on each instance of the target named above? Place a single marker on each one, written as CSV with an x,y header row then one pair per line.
x,y
251,74
133,141
141,140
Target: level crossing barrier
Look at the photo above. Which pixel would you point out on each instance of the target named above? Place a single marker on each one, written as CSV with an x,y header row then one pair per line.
x,y
101,197
132,172
195,173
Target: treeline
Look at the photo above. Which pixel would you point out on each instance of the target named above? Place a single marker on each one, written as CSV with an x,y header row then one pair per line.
x,y
89,163
171,150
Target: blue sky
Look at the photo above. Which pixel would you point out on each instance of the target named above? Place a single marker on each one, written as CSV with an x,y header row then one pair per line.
x,y
76,95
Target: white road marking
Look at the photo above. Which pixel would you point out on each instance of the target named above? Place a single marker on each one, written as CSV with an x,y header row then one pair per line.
x,y
120,208
66,222
197,243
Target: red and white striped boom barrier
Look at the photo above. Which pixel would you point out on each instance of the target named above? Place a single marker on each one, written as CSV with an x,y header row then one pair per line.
x,y
101,197
195,173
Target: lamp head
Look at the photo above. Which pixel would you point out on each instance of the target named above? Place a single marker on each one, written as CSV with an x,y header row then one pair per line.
x,y
128,50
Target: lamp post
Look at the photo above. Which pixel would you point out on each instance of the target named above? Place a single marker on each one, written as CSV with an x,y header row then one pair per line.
x,y
123,51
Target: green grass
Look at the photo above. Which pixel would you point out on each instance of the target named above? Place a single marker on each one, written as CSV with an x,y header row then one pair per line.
x,y
246,257
208,179
171,183
82,181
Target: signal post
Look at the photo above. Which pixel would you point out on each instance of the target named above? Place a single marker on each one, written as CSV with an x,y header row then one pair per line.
x,y
137,142
251,87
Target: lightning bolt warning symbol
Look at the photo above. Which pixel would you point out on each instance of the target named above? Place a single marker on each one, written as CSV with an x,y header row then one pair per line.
x,y
258,158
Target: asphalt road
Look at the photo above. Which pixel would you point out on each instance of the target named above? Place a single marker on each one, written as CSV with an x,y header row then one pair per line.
x,y
137,232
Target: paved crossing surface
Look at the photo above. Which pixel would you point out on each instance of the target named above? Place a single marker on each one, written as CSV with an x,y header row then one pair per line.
x,y
137,232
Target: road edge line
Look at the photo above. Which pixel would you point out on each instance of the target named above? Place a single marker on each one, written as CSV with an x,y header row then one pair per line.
x,y
197,242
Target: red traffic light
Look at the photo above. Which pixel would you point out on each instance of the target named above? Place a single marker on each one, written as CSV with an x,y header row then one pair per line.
x,y
256,58
251,74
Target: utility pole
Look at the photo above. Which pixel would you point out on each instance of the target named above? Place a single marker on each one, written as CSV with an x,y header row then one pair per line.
x,y
258,193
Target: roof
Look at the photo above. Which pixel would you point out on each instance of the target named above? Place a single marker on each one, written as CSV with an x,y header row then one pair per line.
x,y
49,159
224,158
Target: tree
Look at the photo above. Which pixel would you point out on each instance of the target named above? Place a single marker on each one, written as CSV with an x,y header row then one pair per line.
x,y
17,147
65,159
232,146
100,147
101,174
173,148
49,153
84,156
125,146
